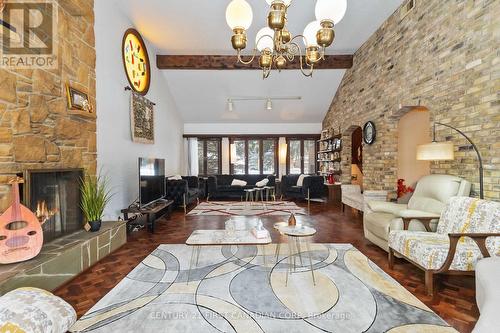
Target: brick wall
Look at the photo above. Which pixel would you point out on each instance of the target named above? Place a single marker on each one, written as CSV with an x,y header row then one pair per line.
x,y
444,54
36,129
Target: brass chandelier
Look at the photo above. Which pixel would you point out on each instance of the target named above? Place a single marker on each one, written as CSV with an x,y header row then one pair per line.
x,y
275,46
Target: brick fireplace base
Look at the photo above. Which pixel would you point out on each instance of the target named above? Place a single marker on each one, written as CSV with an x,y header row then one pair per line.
x,y
63,258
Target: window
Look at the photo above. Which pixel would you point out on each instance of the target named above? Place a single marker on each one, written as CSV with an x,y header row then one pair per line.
x,y
301,156
209,157
255,156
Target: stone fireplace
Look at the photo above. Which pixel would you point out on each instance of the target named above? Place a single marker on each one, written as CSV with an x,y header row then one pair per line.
x,y
54,196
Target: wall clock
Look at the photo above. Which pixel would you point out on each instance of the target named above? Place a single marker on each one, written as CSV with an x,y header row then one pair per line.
x,y
136,61
369,133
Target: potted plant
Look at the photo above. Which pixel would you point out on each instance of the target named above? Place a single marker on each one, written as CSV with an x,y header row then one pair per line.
x,y
95,195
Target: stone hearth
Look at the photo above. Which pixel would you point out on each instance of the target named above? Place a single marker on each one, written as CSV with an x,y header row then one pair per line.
x,y
63,258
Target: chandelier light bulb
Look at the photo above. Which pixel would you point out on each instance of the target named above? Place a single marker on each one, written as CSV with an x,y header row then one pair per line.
x,y
239,14
269,104
286,2
310,33
331,10
265,39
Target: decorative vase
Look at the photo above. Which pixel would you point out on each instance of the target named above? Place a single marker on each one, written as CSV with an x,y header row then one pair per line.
x,y
95,225
292,221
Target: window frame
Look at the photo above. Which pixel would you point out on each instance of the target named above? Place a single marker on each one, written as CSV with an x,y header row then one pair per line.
x,y
261,140
302,150
203,173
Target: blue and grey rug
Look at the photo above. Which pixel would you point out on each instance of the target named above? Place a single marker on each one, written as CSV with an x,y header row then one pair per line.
x,y
233,289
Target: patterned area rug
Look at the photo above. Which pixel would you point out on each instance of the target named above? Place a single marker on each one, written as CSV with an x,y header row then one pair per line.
x,y
233,289
236,208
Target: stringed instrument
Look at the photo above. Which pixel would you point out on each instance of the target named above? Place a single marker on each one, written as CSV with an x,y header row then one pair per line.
x,y
21,234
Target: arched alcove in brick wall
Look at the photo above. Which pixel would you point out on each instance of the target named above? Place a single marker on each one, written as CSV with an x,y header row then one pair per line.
x,y
347,153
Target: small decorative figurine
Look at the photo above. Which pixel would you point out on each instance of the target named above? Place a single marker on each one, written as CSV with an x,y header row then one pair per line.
x,y
292,221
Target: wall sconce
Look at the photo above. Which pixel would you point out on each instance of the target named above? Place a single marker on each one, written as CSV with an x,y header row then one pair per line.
x,y
282,153
232,153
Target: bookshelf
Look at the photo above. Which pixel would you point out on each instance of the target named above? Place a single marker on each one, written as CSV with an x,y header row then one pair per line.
x,y
329,153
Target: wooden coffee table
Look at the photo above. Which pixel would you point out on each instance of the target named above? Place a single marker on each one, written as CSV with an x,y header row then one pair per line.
x,y
200,238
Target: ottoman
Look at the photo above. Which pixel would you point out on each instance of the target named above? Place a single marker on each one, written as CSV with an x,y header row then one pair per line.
x,y
488,295
32,310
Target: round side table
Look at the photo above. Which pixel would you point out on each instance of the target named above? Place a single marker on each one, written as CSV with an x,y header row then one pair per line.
x,y
296,234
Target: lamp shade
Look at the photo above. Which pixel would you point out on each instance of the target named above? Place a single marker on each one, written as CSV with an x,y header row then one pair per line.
x,y
264,39
332,10
282,153
239,14
310,33
436,151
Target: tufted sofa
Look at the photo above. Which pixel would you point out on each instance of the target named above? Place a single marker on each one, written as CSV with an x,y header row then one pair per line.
x,y
468,230
220,186
313,187
184,191
428,201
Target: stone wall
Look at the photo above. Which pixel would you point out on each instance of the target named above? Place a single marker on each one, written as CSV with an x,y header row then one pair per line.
x,y
444,54
36,129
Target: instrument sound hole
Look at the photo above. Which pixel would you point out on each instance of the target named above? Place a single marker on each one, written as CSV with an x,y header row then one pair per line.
x,y
32,233
16,225
3,238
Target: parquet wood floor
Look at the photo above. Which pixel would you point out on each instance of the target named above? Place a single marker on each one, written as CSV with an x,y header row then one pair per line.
x,y
454,299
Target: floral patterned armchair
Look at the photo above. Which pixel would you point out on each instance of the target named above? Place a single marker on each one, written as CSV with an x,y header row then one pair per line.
x,y
467,231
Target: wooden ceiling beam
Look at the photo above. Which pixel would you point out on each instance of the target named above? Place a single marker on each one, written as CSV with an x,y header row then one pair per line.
x,y
227,62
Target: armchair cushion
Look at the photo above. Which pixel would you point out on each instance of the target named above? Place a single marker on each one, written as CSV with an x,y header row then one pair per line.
x,y
300,181
429,250
432,192
467,215
386,207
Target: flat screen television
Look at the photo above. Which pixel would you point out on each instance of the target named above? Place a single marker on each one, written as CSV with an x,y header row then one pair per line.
x,y
151,180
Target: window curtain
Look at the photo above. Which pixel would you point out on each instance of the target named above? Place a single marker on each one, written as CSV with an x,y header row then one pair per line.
x,y
191,154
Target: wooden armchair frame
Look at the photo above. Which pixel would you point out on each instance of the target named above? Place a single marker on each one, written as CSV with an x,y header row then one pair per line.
x,y
478,238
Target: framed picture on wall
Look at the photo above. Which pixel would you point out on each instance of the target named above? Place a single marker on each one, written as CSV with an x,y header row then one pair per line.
x,y
79,102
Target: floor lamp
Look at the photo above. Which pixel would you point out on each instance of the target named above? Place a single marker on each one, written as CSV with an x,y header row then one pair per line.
x,y
443,151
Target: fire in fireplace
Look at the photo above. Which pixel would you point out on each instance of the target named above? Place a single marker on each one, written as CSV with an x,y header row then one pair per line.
x,y
54,197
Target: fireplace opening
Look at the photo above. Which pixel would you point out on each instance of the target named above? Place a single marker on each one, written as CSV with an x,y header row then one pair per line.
x,y
54,197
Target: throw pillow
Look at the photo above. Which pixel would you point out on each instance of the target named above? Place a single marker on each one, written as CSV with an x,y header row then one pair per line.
x,y
262,183
300,181
238,182
176,177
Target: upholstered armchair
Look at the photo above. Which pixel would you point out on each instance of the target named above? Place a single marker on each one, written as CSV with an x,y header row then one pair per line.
x,y
184,191
420,214
313,187
468,230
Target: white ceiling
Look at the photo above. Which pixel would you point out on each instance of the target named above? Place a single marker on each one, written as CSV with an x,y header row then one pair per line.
x,y
199,27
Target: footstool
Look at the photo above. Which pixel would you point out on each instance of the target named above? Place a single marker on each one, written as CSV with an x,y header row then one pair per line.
x,y
488,295
33,310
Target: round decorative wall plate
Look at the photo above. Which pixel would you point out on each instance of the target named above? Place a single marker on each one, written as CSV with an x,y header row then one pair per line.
x,y
136,61
369,133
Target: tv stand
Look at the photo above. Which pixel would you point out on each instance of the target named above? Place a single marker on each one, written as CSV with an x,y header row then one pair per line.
x,y
161,206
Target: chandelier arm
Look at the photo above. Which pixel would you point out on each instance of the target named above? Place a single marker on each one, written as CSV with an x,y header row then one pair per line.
x,y
248,62
301,61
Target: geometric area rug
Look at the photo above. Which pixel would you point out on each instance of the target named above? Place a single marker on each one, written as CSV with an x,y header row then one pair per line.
x,y
233,289
237,208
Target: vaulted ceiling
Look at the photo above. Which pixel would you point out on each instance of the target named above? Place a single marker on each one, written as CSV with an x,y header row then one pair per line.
x,y
199,27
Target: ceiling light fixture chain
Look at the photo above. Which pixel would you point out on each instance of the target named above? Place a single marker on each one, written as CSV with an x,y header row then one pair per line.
x,y
275,46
